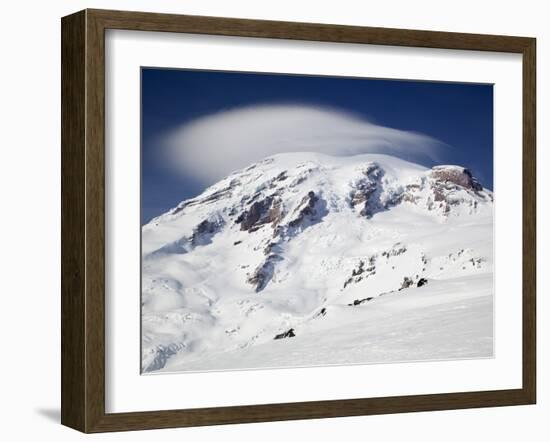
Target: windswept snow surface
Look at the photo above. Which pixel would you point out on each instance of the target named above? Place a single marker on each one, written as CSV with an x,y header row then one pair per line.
x,y
307,259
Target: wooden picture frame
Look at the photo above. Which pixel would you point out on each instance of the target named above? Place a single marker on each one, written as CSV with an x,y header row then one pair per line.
x,y
83,220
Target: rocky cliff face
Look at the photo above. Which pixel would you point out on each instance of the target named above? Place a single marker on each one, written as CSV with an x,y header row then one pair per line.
x,y
290,236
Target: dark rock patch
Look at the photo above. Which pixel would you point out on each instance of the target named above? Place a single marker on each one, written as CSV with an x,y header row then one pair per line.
x,y
266,211
459,176
407,282
162,354
203,233
306,209
321,313
250,217
311,210
396,250
281,177
357,302
347,282
263,273
288,334
366,192
359,270
421,282
362,271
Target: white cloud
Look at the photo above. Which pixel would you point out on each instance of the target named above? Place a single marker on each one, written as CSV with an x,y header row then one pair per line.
x,y
209,148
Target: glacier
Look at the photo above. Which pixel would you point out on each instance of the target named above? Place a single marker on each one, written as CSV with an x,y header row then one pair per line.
x,y
307,259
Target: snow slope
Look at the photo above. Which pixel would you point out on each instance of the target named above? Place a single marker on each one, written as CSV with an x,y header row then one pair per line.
x,y
308,259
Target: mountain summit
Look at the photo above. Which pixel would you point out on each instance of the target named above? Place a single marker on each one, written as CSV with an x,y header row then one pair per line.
x,y
298,251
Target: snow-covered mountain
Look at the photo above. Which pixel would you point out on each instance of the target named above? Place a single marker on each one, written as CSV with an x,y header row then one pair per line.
x,y
308,259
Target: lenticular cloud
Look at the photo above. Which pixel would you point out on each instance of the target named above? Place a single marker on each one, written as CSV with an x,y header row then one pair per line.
x,y
211,147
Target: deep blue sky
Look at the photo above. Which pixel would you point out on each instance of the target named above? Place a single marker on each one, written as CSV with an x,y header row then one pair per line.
x,y
460,115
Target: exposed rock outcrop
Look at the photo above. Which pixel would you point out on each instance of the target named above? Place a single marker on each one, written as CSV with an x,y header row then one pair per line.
x,y
421,282
357,302
161,354
366,191
263,273
201,236
407,282
203,233
265,211
288,334
457,175
306,210
443,188
362,271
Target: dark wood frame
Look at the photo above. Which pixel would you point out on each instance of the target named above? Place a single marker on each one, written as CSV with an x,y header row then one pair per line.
x,y
83,217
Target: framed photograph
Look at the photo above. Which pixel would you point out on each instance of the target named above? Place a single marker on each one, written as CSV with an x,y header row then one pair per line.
x,y
267,221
